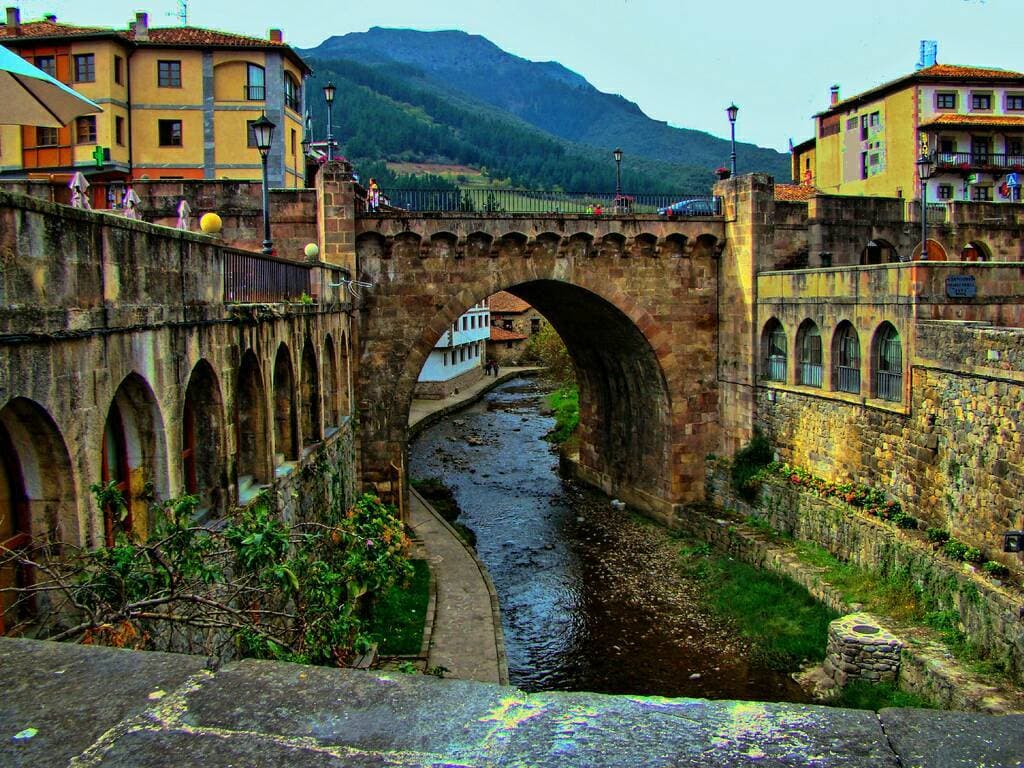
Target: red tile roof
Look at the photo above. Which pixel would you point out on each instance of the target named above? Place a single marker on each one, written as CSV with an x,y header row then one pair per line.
x,y
503,301
956,72
795,192
979,121
49,29
500,334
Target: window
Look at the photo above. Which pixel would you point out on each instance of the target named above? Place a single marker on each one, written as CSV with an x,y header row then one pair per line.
x,y
947,149
168,74
292,93
945,191
863,127
981,194
828,126
946,100
535,325
1015,147
888,359
507,324
48,64
85,68
119,70
445,358
255,83
775,348
981,148
846,354
809,346
465,323
875,119
1015,102
46,137
119,131
981,101
863,165
170,133
250,140
85,130
295,141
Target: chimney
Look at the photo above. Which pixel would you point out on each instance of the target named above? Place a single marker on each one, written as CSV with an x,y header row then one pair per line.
x,y
14,19
929,54
142,26
276,36
834,95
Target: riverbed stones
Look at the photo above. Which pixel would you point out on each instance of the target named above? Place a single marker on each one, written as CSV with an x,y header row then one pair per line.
x,y
860,648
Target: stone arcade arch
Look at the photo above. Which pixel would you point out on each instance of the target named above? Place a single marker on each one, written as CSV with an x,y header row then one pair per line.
x,y
286,428
133,456
37,492
203,465
253,463
312,429
332,415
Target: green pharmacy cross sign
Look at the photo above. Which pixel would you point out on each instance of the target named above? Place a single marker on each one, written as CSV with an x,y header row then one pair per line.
x,y
99,155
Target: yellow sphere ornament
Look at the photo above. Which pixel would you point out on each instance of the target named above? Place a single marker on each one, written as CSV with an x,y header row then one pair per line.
x,y
210,223
312,250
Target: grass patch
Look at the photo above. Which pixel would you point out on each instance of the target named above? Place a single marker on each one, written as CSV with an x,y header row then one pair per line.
x,y
442,499
861,694
780,618
397,617
565,402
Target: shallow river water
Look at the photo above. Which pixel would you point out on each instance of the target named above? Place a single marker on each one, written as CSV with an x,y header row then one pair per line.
x,y
591,599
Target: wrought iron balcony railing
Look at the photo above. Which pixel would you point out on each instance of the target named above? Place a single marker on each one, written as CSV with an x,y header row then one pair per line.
x,y
971,161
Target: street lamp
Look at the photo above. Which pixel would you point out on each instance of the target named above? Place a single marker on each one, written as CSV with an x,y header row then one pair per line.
x,y
263,131
618,174
924,172
329,91
731,111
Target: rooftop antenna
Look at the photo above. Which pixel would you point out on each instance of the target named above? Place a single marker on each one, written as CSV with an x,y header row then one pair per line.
x,y
182,13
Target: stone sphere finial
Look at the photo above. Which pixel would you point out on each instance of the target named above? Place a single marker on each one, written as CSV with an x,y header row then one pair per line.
x,y
312,250
210,223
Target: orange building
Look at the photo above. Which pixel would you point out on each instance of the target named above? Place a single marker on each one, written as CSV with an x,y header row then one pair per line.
x,y
177,103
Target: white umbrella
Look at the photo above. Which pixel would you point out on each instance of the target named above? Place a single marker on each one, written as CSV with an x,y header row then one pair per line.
x,y
31,97
131,204
79,184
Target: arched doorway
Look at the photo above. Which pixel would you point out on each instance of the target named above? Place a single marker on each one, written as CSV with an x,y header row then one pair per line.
x,y
133,457
312,427
37,497
975,250
879,251
286,428
253,464
935,251
202,440
332,417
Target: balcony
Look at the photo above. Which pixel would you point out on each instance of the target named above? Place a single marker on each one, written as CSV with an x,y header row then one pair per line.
x,y
977,161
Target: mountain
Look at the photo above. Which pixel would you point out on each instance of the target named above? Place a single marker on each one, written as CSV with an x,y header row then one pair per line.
x,y
455,97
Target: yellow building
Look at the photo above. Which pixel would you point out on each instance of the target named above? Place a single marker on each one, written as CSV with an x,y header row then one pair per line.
x,y
177,103
969,120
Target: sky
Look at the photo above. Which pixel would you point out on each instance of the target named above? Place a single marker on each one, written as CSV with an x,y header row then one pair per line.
x,y
682,61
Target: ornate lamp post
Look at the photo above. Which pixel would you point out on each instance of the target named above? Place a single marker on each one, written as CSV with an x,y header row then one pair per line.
x,y
263,130
329,91
618,174
731,111
924,172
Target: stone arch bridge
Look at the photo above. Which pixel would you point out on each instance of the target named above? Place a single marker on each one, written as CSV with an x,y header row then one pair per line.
x,y
634,298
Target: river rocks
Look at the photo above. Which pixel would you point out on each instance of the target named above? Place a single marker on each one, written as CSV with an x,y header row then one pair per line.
x,y
859,648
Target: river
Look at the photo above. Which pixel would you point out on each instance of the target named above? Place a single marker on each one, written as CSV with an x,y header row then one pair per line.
x,y
591,598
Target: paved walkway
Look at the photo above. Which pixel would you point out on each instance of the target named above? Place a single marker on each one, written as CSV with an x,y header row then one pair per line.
x,y
466,637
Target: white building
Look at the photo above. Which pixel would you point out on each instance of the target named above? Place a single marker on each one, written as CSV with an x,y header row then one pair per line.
x,y
457,359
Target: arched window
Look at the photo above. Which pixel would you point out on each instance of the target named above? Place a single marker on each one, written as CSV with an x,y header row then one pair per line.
x,y
773,342
311,427
292,93
286,443
331,415
975,251
888,360
846,359
202,430
879,251
255,83
253,438
808,340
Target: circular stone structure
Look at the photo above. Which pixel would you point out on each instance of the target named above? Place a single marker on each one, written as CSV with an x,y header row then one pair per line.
x,y
859,648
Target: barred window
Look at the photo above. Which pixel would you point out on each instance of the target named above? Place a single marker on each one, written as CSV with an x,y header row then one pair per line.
x,y
846,359
888,359
775,351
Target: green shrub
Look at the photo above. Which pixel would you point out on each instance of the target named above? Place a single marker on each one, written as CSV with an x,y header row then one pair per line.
x,y
938,535
565,402
747,465
973,555
903,520
995,570
860,694
955,549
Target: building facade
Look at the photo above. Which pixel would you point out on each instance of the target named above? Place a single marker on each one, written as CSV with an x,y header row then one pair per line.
x,y
458,356
968,120
513,322
177,103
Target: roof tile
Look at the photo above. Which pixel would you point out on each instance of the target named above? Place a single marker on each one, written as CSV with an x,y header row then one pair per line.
x,y
503,301
795,192
501,334
1013,121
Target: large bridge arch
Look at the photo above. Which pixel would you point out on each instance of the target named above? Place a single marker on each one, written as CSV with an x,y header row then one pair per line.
x,y
641,330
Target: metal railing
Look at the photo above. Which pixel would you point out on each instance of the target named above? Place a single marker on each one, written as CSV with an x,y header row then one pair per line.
x,y
848,379
775,369
810,374
255,92
889,386
251,278
938,213
539,202
968,160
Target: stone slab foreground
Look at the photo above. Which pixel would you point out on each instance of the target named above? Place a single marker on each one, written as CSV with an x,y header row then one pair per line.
x,y
104,707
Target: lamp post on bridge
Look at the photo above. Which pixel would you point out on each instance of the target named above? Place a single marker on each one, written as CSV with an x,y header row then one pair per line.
x,y
732,110
619,202
329,91
263,131
924,172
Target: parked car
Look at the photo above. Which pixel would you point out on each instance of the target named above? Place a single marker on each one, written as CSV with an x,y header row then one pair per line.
x,y
695,206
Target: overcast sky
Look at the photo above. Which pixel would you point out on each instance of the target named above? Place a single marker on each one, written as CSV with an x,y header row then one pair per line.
x,y
681,60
